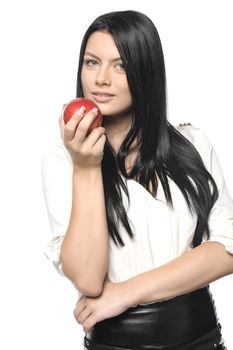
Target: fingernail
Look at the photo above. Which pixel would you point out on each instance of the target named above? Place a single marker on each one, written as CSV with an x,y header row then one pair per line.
x,y
95,110
82,109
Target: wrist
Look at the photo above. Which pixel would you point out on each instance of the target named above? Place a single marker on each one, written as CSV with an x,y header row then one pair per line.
x,y
135,292
86,172
129,293
87,182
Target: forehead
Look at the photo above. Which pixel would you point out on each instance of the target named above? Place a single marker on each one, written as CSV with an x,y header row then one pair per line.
x,y
101,43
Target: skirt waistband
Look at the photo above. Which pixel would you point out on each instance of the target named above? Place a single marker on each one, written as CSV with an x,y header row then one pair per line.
x,y
176,323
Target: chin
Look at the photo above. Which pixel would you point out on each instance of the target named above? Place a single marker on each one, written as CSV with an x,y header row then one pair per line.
x,y
106,110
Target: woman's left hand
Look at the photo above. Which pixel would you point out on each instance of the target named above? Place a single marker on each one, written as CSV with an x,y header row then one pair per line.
x,y
112,302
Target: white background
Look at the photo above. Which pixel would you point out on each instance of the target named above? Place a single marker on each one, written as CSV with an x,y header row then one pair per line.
x,y
40,42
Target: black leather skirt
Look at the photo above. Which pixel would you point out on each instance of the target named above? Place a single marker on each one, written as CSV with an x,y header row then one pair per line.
x,y
186,322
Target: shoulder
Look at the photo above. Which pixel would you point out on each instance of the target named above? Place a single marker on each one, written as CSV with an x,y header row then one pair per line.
x,y
199,140
196,136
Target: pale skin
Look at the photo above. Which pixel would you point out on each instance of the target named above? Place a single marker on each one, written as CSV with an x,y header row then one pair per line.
x,y
190,271
104,73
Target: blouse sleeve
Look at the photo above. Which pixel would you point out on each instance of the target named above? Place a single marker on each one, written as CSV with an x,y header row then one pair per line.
x,y
57,187
221,216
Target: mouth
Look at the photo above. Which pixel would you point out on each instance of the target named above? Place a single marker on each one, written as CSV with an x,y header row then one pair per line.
x,y
102,96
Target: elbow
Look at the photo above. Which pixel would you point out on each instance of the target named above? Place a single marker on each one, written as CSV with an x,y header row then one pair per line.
x,y
87,285
88,282
87,289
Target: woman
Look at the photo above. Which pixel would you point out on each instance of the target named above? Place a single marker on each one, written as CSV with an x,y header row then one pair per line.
x,y
141,216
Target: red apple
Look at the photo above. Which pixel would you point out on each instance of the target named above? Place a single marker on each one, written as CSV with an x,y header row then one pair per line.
x,y
76,104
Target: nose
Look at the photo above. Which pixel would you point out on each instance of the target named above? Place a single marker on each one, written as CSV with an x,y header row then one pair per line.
x,y
103,76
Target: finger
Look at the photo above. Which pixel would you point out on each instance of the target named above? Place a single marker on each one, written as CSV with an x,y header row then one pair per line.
x,y
83,315
82,297
89,323
79,309
62,112
63,107
81,303
71,126
61,124
94,136
61,121
98,148
85,124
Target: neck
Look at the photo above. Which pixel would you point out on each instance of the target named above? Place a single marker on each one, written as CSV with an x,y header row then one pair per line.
x,y
116,130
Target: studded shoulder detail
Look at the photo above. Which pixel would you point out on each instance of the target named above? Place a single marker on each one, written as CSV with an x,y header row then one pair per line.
x,y
185,124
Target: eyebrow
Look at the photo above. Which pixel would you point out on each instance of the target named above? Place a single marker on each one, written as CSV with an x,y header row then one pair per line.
x,y
92,55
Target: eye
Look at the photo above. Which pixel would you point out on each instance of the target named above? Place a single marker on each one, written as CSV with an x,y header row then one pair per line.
x,y
90,63
120,66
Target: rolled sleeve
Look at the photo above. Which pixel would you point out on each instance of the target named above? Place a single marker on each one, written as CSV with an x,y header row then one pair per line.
x,y
53,251
220,219
221,215
57,188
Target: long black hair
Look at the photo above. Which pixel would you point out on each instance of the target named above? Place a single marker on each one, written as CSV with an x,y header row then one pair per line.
x,y
163,151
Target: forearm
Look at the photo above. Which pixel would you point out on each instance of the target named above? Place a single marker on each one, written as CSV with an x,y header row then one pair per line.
x,y
85,249
193,270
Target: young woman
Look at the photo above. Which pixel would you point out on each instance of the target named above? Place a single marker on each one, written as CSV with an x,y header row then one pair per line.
x,y
140,212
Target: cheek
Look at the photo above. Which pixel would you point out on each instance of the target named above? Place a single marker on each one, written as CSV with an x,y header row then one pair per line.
x,y
85,78
126,92
123,84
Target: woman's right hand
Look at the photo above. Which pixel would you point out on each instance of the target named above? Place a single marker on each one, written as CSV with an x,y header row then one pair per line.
x,y
85,150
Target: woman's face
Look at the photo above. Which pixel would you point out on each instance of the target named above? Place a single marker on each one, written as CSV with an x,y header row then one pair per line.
x,y
103,76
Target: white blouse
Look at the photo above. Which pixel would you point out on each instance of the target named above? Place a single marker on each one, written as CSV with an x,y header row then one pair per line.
x,y
161,233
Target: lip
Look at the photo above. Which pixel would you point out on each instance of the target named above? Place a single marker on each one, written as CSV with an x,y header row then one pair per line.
x,y
102,96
